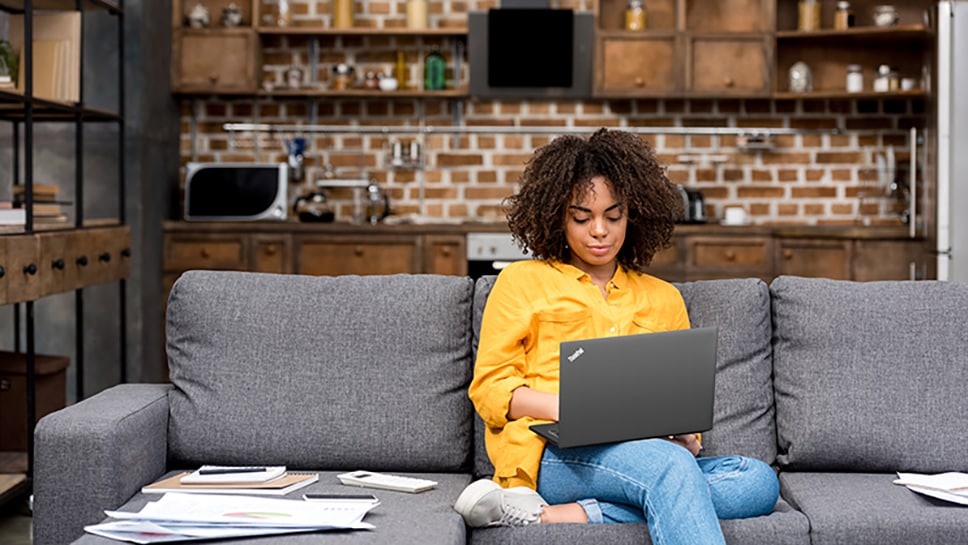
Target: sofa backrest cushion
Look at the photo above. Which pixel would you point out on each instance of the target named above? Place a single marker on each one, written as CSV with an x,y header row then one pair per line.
x,y
871,376
348,372
743,421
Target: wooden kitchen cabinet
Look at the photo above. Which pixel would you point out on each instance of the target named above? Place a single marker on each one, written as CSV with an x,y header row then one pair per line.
x,y
332,255
271,253
727,65
729,16
709,257
211,251
638,65
215,58
814,258
445,254
892,260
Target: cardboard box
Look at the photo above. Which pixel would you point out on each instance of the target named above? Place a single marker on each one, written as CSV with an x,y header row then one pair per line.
x,y
50,394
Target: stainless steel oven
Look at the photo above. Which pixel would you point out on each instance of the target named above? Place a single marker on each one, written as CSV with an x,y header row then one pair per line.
x,y
488,253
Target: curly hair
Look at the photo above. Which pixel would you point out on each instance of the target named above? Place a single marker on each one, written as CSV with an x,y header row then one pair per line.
x,y
563,169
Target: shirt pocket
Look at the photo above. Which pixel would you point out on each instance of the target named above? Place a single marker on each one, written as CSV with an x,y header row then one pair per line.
x,y
553,328
644,323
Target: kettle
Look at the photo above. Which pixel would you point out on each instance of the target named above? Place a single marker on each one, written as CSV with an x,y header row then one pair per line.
x,y
377,203
693,205
312,207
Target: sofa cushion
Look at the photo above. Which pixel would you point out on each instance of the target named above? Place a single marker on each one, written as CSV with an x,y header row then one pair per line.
x,y
870,376
863,508
743,422
343,372
784,526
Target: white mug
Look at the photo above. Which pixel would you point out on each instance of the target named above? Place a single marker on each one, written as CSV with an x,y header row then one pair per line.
x,y
734,215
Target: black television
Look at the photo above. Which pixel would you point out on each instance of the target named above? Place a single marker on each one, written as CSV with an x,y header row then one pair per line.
x,y
530,53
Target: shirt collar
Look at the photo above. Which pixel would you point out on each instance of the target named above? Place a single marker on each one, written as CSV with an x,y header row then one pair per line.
x,y
619,280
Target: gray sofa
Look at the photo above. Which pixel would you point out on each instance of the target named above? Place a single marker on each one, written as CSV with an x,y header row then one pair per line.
x,y
837,384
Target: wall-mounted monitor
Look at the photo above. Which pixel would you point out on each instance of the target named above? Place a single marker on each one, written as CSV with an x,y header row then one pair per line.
x,y
530,53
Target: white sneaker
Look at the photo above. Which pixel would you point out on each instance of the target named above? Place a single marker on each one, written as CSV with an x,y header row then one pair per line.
x,y
485,503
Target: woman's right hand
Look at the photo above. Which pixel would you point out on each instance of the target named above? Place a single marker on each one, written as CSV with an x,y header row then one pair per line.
x,y
528,402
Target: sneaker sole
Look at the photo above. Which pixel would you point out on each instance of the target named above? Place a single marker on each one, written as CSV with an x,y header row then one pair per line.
x,y
472,494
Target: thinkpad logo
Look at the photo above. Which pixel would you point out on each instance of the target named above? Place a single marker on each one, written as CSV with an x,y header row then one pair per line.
x,y
574,355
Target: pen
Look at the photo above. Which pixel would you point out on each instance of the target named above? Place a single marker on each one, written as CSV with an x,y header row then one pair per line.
x,y
228,470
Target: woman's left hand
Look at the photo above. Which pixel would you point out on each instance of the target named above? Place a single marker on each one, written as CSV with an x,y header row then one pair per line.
x,y
688,441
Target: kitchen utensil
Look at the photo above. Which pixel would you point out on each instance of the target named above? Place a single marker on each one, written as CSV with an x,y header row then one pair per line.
x,y
296,147
885,16
312,207
378,203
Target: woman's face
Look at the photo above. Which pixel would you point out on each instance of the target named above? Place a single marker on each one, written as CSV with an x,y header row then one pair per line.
x,y
595,226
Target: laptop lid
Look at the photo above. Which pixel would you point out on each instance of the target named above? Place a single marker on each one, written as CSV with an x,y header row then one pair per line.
x,y
636,386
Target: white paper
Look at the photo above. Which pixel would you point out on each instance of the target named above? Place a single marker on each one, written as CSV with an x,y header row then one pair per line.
x,y
186,517
943,486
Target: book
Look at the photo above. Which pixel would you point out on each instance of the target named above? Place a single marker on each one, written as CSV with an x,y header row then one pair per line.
x,y
289,482
233,475
13,216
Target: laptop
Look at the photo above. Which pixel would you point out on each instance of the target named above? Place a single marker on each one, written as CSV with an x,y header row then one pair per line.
x,y
634,387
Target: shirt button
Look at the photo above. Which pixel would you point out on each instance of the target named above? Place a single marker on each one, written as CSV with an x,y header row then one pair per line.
x,y
612,330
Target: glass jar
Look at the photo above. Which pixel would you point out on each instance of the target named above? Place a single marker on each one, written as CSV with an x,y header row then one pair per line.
x,y
855,78
635,18
809,15
342,13
434,71
844,16
801,78
882,82
417,14
343,75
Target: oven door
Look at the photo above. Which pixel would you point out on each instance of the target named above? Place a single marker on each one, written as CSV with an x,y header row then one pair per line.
x,y
488,253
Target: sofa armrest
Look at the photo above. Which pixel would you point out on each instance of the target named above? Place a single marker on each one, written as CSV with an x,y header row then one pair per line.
x,y
94,455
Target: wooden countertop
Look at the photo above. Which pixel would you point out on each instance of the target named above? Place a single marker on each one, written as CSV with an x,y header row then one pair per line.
x,y
872,232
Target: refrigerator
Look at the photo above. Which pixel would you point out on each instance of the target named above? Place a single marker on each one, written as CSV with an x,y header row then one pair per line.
x,y
950,152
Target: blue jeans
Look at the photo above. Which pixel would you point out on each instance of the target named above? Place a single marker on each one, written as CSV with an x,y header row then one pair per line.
x,y
656,481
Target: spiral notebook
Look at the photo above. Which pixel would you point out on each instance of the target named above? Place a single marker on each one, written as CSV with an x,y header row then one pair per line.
x,y
289,482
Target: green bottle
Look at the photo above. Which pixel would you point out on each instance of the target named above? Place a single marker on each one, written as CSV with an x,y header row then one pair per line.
x,y
434,68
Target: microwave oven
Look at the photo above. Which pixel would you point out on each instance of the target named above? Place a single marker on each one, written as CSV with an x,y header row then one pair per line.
x,y
236,192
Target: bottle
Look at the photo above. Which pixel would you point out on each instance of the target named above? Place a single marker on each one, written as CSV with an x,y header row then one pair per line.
x,y
285,15
844,17
417,14
400,71
635,17
809,15
882,82
855,78
434,68
342,13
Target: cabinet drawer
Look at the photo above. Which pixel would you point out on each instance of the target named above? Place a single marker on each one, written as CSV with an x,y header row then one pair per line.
x,y
815,258
729,66
639,66
184,253
215,60
333,256
271,254
729,253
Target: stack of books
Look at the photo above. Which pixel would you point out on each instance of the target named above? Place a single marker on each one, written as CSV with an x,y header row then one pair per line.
x,y
47,209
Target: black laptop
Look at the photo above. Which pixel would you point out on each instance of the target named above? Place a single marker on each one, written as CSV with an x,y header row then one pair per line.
x,y
634,387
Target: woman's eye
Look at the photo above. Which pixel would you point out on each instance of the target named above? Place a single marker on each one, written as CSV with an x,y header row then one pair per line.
x,y
580,220
619,218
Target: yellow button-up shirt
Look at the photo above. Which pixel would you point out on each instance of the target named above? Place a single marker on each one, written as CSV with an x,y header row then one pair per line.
x,y
533,306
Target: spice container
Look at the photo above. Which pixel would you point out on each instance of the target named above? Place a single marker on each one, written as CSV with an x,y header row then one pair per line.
x,y
882,82
801,78
417,14
342,13
855,78
809,15
635,18
844,16
343,77
434,68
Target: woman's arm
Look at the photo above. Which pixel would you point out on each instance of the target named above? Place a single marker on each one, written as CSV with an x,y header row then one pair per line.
x,y
528,402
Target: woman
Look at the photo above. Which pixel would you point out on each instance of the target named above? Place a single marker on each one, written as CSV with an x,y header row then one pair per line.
x,y
593,212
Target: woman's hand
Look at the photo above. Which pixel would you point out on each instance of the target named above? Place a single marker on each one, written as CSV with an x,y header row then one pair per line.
x,y
528,402
688,441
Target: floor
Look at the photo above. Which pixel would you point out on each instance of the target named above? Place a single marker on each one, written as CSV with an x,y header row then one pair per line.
x,y
15,522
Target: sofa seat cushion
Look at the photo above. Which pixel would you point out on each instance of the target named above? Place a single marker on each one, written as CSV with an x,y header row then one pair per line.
x,y
784,526
427,518
870,377
334,372
867,508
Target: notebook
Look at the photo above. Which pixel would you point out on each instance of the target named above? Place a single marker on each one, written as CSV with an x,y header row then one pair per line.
x,y
634,387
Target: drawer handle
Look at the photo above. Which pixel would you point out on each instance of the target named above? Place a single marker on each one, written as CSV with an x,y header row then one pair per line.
x,y
270,249
728,82
105,257
58,264
126,252
787,254
82,261
730,255
639,82
213,77
205,253
30,269
445,252
2,272
358,250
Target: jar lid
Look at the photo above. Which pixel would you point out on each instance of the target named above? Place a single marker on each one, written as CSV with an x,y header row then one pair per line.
x,y
843,5
883,69
854,68
342,69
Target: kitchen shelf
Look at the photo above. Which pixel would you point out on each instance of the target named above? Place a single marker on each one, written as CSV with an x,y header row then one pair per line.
x,y
786,95
358,31
13,108
892,33
364,93
17,6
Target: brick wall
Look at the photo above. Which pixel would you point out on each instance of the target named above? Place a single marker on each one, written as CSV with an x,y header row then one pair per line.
x,y
826,174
